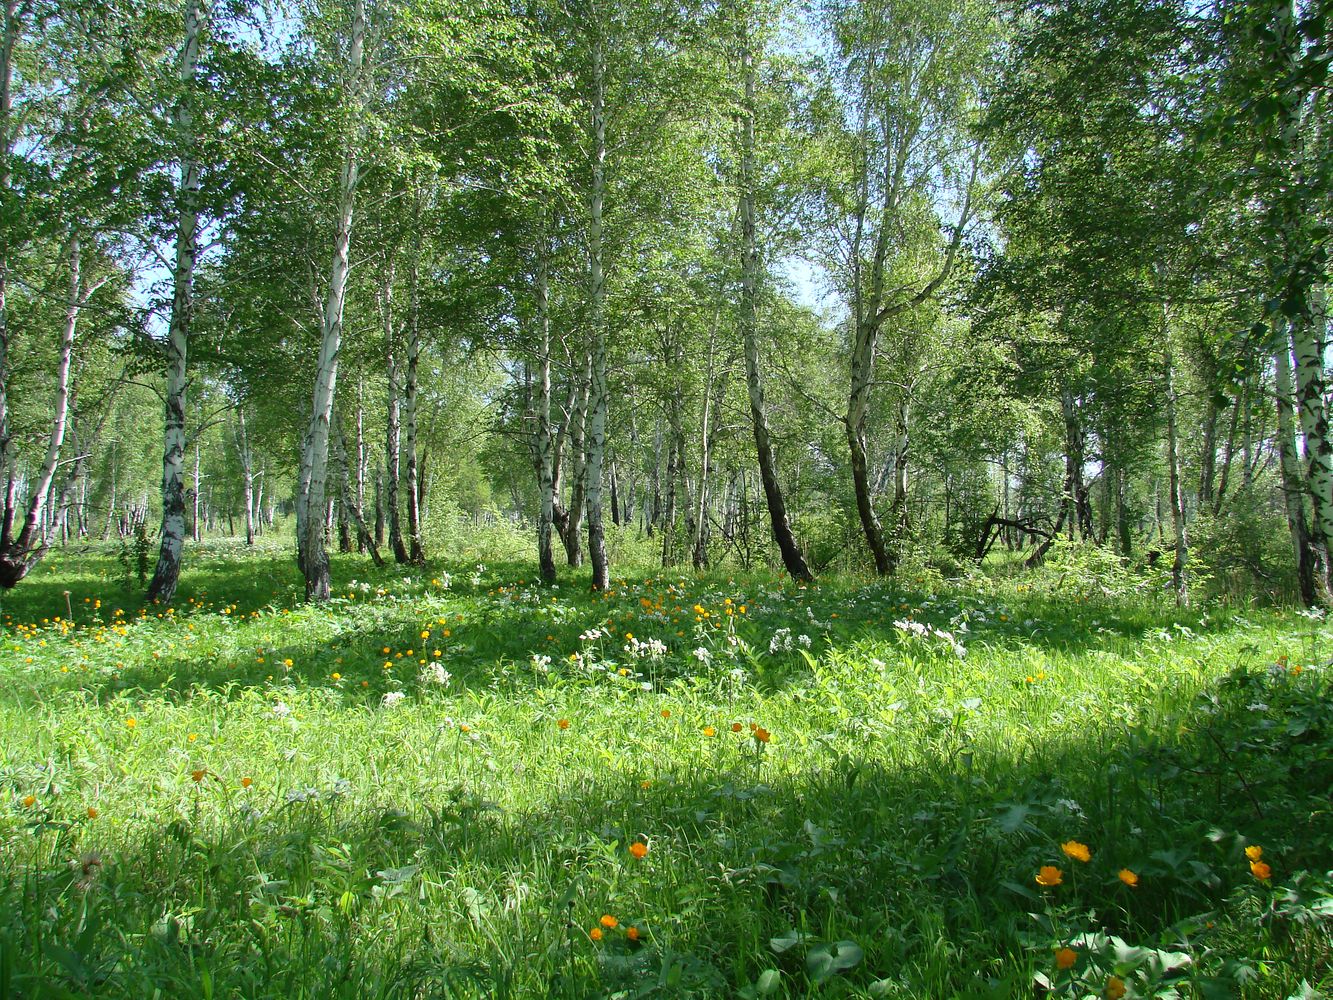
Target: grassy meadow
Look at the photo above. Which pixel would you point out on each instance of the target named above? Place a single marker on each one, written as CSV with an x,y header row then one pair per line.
x,y
453,782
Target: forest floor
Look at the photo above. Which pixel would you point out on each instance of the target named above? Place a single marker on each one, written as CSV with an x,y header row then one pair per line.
x,y
457,783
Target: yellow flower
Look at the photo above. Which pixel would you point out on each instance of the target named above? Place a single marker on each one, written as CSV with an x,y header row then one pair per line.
x,y
595,934
1049,876
1130,878
709,731
336,676
29,801
1254,852
638,849
1260,870
130,723
609,922
563,723
1077,851
1065,958
1115,988
192,737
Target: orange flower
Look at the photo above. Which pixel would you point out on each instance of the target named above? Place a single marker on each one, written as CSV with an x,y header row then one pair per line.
x,y
709,731
1130,878
563,723
632,933
735,727
761,734
92,812
1065,958
595,934
1115,988
29,801
609,922
1254,852
247,782
1049,876
666,713
1261,870
1077,851
198,776
638,849
130,723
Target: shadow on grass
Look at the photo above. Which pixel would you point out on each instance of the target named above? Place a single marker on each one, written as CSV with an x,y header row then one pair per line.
x,y
925,862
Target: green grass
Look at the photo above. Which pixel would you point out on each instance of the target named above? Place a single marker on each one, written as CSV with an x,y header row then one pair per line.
x,y
458,842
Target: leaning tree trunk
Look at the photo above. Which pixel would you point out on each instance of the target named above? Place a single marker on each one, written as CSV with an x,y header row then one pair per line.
x,y
1293,484
162,587
18,555
599,393
779,523
313,473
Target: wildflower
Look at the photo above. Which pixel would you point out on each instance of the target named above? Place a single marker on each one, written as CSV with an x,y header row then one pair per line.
x,y
1130,878
192,737
287,663
666,713
198,776
735,727
92,812
645,784
761,734
246,782
1049,876
638,849
1065,958
709,731
632,933
563,723
1115,988
1077,851
1254,852
1261,871
392,698
131,722
336,676
595,934
29,801
609,922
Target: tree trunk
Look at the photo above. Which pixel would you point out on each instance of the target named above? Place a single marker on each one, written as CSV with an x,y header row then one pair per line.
x,y
599,398
162,587
1293,483
416,552
579,482
18,555
1308,341
545,445
393,424
311,553
1179,582
792,558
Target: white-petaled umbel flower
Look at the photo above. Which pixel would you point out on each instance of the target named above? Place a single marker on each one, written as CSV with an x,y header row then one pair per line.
x,y
434,673
392,698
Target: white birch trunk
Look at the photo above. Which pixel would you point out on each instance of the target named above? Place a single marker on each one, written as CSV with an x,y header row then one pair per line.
x,y
1179,580
599,400
162,587
313,472
1293,481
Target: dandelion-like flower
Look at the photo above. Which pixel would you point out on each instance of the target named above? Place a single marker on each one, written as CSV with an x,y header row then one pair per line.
x,y
1254,852
1049,876
1065,958
1115,988
595,934
1130,878
1260,870
1077,851
639,849
609,922
632,933
563,723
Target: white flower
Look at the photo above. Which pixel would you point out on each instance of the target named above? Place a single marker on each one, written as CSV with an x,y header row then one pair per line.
x,y
392,698
541,663
435,673
281,710
703,655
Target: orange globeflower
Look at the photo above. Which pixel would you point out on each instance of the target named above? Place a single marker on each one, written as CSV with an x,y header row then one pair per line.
x,y
1049,876
735,727
198,775
92,812
1115,988
247,782
709,731
1077,851
1254,852
609,922
1261,871
29,801
632,933
761,734
131,722
1130,878
666,713
563,723
595,934
1065,958
638,849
